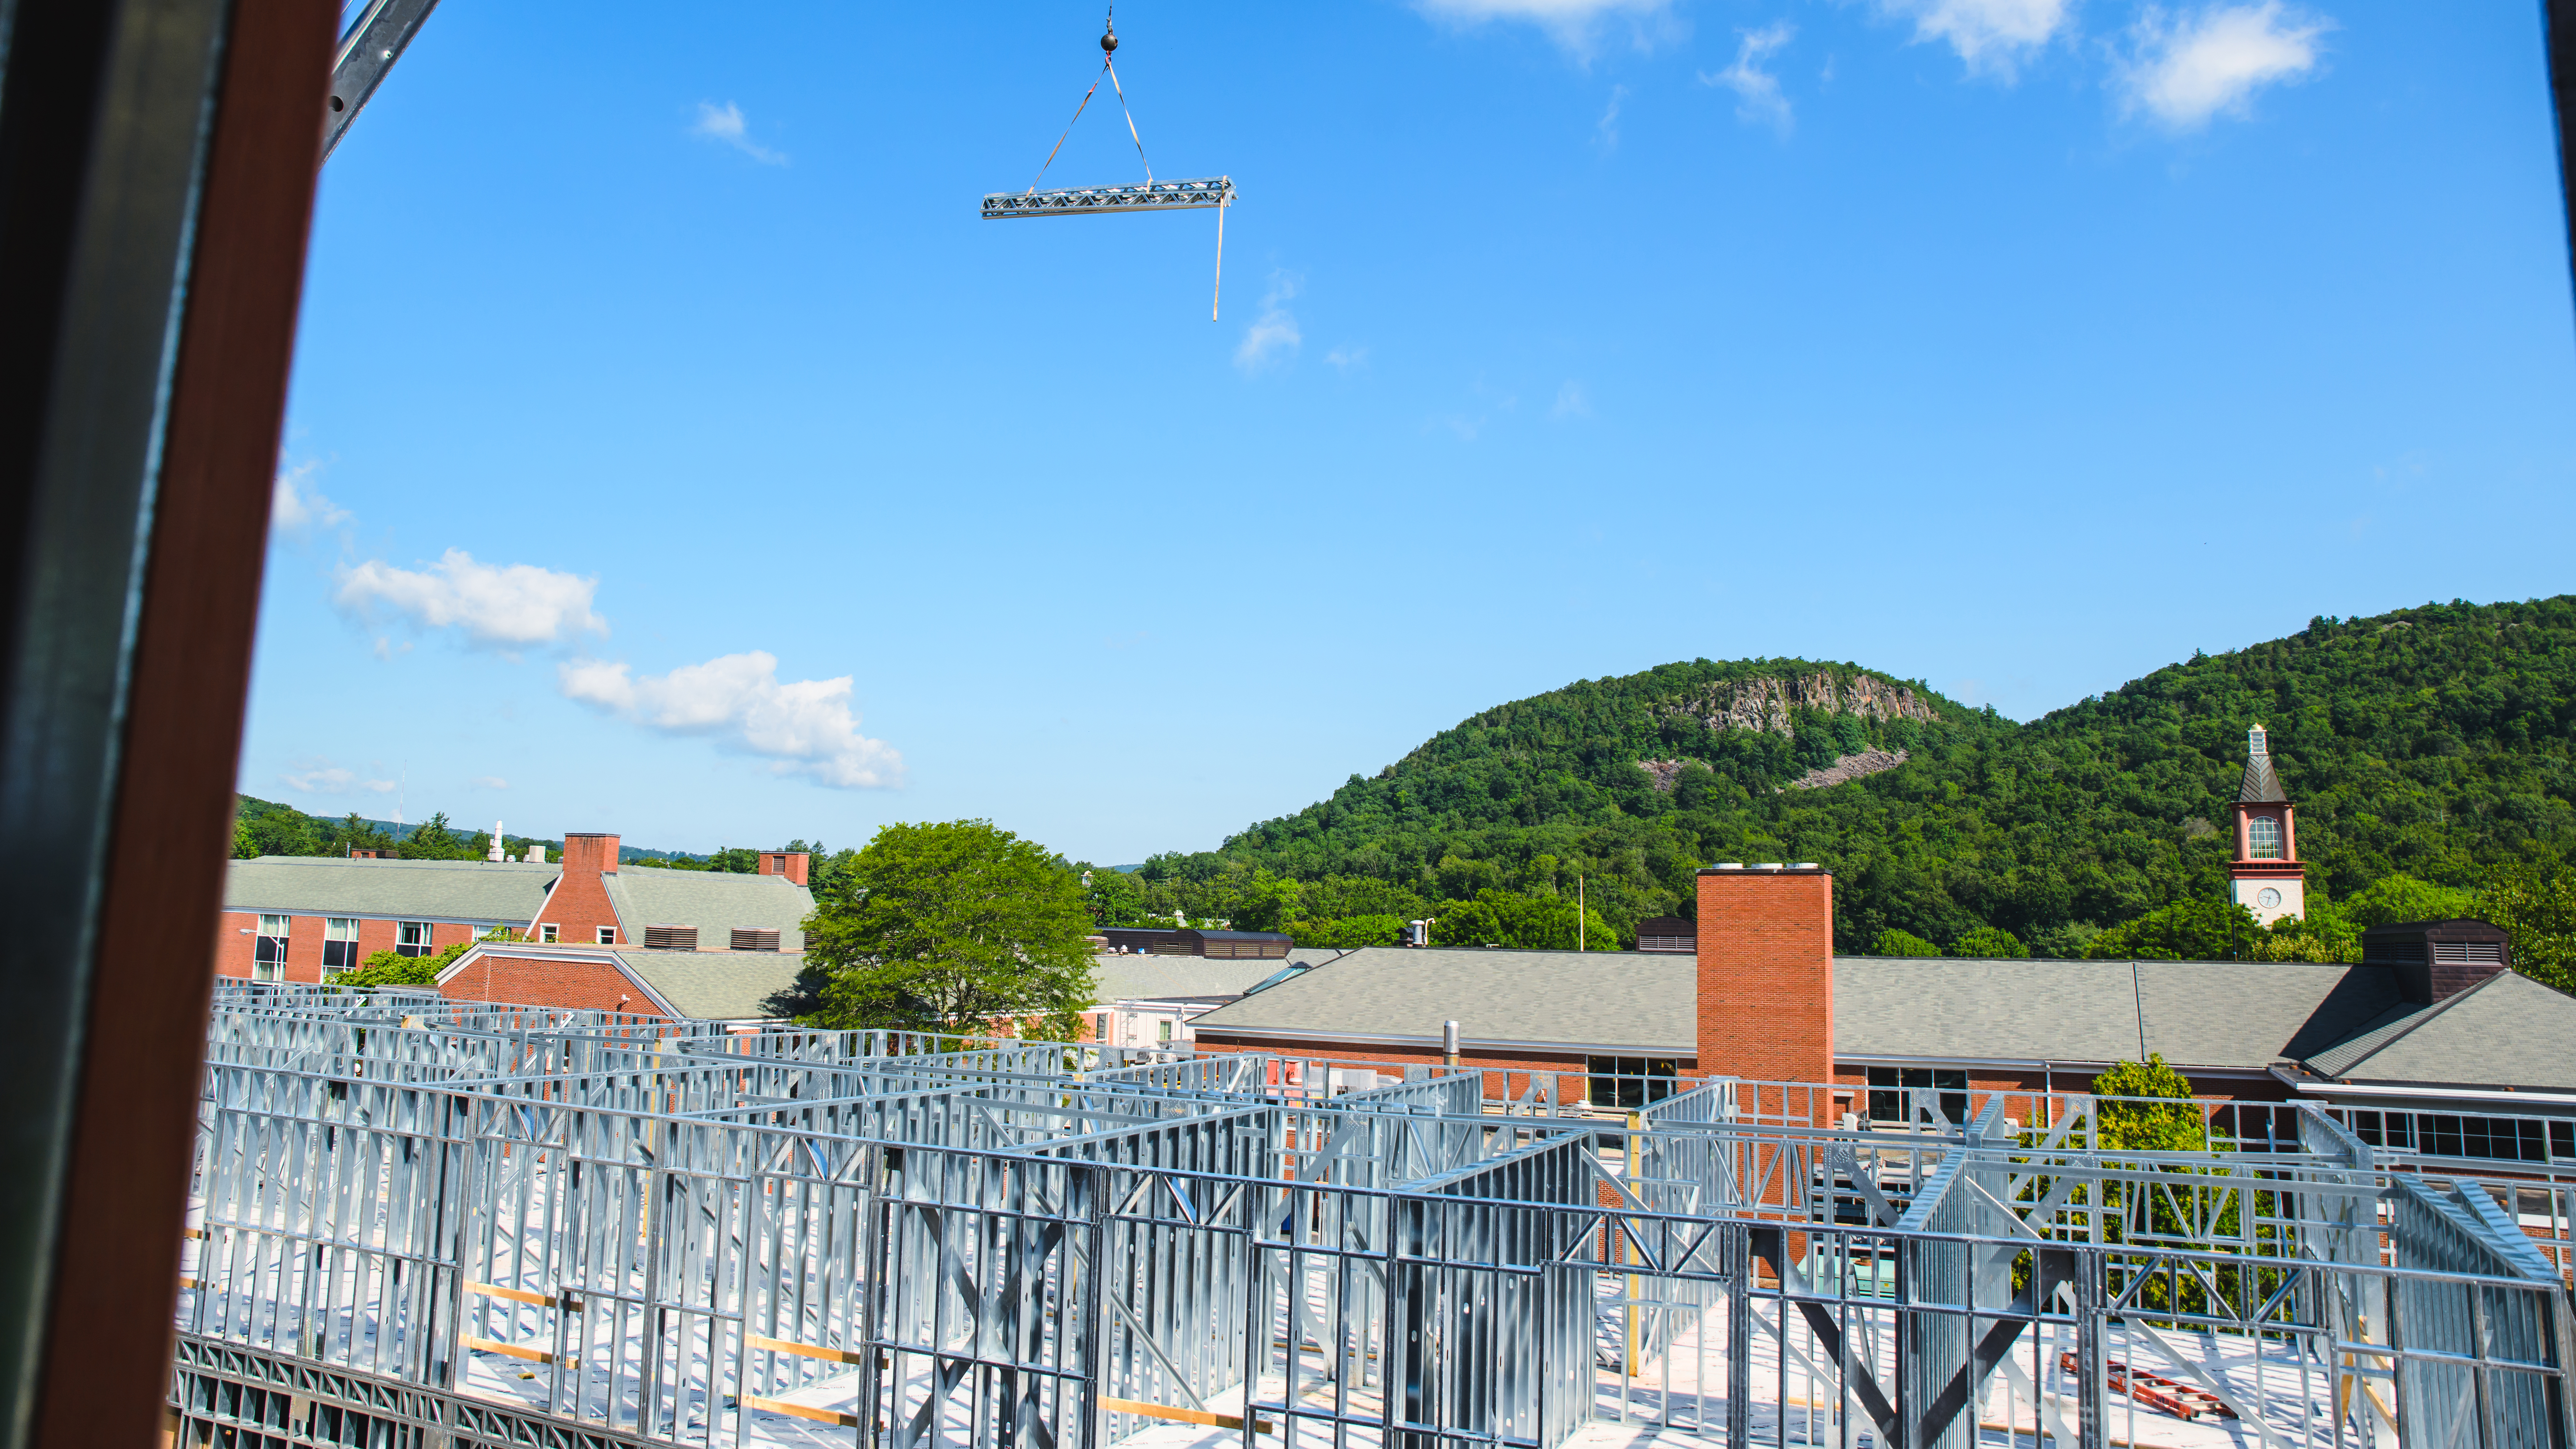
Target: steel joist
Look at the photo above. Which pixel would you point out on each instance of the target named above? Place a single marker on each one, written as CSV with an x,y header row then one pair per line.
x,y
1104,200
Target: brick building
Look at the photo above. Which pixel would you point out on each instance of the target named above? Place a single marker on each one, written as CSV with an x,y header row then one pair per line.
x,y
2432,1020
294,918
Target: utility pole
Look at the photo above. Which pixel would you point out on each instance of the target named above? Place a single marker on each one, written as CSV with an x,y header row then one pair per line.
x,y
1578,913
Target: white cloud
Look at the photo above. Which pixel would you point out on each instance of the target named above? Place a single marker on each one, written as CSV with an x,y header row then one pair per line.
x,y
1607,128
2186,69
725,123
805,726
296,509
1571,23
1347,358
1757,91
489,782
1571,402
321,777
502,605
1274,333
1991,35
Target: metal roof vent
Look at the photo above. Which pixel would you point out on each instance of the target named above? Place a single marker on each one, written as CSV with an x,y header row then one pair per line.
x,y
754,939
670,938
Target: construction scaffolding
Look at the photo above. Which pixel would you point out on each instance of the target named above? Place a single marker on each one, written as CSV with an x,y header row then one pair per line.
x,y
422,1222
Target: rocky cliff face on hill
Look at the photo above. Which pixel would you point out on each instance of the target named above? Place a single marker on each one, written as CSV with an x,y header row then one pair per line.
x,y
1769,702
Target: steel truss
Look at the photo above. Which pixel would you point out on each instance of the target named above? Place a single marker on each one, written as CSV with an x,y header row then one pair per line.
x,y
461,1223
1102,200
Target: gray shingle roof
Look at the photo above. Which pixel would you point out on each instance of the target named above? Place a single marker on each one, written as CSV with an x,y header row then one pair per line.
x,y
2344,1021
718,985
716,902
423,890
2252,1014
1640,999
1151,978
2057,1011
2508,1030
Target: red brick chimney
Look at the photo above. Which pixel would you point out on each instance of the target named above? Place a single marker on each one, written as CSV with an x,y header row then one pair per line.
x,y
1766,973
578,907
589,853
789,863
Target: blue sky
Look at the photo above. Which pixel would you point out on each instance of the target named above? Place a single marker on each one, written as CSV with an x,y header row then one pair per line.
x,y
673,451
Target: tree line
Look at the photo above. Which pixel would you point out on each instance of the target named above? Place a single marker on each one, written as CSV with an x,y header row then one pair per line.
x,y
2429,743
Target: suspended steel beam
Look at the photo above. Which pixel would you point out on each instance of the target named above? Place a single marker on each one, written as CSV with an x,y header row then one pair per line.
x,y
370,49
1102,200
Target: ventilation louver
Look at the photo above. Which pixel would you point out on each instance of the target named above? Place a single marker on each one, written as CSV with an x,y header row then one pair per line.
x,y
745,939
671,938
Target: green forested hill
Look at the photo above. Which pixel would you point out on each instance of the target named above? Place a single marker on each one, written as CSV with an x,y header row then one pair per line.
x,y
2433,742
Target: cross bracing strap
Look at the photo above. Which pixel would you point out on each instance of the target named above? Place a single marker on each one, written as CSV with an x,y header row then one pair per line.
x,y
1103,200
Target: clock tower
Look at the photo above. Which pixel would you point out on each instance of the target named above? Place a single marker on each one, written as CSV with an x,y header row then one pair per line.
x,y
2266,876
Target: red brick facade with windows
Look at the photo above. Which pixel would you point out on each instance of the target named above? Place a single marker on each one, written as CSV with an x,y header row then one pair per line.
x,y
578,982
1766,973
237,939
579,907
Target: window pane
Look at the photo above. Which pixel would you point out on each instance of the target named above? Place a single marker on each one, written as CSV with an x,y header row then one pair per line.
x,y
2263,839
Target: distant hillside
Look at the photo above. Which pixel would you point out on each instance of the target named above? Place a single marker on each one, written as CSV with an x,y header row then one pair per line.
x,y
2432,741
267,827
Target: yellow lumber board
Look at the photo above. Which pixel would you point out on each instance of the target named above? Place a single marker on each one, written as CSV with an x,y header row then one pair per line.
x,y
809,1350
532,1355
1186,1416
803,1411
515,1295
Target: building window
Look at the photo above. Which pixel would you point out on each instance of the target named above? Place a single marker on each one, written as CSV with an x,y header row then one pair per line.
x,y
339,945
1628,1083
1163,1029
1901,1094
411,938
546,933
268,953
608,935
2262,838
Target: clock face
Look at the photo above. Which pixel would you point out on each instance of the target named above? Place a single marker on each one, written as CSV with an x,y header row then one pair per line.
x,y
2267,898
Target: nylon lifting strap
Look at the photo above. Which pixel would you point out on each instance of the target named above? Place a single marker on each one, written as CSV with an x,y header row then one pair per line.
x,y
1108,68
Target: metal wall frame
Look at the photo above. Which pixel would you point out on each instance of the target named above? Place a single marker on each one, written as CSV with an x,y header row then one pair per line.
x,y
486,1223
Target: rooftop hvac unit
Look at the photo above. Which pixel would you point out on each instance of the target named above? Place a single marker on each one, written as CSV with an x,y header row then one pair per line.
x,y
671,938
745,939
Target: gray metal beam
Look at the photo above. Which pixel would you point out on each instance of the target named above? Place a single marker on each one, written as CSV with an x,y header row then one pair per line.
x,y
1103,200
369,50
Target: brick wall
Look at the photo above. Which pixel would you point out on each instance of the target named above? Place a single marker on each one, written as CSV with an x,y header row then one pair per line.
x,y
1766,974
236,941
579,982
579,905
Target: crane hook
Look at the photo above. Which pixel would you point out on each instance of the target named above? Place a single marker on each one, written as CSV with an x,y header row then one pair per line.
x,y
1108,34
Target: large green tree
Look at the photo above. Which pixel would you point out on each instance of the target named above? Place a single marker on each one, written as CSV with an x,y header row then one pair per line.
x,y
2539,908
953,926
2196,930
1524,922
